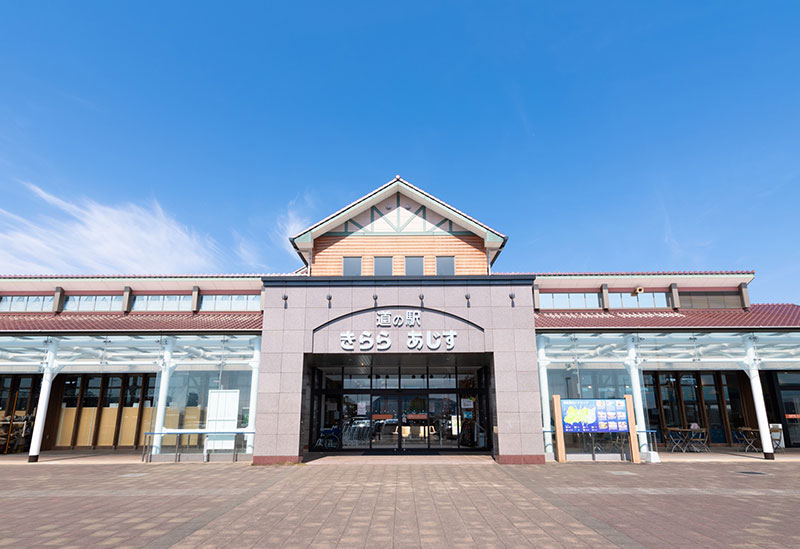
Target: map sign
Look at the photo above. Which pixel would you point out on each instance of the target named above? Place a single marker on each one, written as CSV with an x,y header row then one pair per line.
x,y
586,415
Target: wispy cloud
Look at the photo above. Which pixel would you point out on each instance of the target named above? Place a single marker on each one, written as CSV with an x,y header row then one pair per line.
x,y
291,221
250,254
89,237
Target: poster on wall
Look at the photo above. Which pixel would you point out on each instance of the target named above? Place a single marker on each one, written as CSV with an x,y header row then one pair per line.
x,y
586,415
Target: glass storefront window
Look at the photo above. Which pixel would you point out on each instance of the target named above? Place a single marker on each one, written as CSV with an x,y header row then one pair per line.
x,y
651,404
356,377
733,398
190,391
669,399
5,393
467,378
385,377
132,391
789,378
91,395
441,378
331,377
716,426
413,377
112,392
690,400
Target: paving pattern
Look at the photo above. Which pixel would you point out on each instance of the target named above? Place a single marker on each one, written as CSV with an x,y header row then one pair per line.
x,y
401,503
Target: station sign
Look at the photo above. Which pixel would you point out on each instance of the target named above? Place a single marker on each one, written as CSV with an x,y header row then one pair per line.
x,y
389,322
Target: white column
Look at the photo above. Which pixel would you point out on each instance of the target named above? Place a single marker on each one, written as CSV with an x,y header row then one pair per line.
x,y
632,362
167,366
255,364
544,393
49,372
751,363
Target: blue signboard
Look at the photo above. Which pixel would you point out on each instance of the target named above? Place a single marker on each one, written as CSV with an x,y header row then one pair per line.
x,y
588,415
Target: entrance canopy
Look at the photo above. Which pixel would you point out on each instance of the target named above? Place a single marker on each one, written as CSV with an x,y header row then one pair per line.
x,y
123,354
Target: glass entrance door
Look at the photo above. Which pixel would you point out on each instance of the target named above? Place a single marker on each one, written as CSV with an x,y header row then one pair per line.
x,y
385,422
791,410
414,422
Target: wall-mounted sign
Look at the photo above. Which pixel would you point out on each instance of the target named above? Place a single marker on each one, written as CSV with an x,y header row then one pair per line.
x,y
586,415
381,340
467,404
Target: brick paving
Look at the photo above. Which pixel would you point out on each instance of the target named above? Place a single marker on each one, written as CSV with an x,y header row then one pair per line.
x,y
401,503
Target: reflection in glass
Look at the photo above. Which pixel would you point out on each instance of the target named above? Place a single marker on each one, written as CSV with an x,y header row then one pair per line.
x,y
414,425
385,424
384,377
413,377
356,377
441,378
716,428
444,421
356,429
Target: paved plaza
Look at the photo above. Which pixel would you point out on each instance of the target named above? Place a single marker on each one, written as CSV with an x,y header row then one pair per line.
x,y
401,502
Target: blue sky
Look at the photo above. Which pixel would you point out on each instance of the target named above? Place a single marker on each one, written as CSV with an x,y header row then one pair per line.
x,y
192,137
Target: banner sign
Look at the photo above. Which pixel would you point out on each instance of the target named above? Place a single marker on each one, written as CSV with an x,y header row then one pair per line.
x,y
586,415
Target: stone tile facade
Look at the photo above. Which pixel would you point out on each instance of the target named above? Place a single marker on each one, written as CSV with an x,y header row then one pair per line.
x,y
306,316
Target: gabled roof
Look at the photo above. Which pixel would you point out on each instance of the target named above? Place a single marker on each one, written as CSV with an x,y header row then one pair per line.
x,y
493,240
759,316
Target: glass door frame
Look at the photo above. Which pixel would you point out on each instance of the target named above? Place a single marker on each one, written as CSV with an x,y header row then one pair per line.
x,y
481,391
701,403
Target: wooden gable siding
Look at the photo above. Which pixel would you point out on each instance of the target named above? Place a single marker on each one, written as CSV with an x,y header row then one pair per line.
x,y
468,250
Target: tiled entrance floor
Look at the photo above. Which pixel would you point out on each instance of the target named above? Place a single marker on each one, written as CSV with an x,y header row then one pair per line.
x,y
405,504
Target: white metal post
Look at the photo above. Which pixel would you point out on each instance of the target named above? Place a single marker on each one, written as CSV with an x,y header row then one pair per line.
x,y
50,369
167,365
255,364
751,363
544,393
632,362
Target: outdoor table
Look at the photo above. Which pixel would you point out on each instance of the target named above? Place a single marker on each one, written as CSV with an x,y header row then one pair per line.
x,y
687,440
678,439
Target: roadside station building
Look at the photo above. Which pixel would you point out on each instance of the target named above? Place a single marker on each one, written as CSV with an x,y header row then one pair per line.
x,y
395,336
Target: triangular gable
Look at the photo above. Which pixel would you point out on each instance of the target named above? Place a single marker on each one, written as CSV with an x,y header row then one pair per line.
x,y
399,207
398,214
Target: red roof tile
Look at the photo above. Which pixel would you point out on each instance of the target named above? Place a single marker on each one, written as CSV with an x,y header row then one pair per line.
x,y
767,315
133,322
636,273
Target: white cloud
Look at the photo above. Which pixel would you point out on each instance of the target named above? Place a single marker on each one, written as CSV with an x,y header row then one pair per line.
x,y
291,221
89,237
249,254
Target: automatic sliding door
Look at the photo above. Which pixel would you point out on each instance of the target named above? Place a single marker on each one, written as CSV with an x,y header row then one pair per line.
x,y
443,420
414,432
385,425
355,421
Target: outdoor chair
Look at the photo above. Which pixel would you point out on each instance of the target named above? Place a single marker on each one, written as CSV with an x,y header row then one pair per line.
x,y
675,441
746,439
698,440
